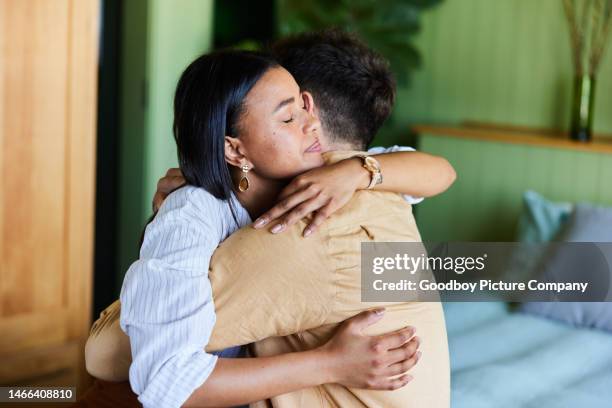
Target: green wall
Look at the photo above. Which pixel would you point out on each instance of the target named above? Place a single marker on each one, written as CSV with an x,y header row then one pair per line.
x,y
159,39
502,61
505,62
485,202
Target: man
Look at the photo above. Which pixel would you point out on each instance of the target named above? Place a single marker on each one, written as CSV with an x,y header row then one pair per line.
x,y
303,288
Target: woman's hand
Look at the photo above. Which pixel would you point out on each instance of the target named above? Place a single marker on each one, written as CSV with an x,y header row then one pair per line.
x,y
360,361
323,190
166,185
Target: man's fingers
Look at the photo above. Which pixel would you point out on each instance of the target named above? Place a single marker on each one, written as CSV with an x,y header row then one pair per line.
x,y
403,367
284,206
398,338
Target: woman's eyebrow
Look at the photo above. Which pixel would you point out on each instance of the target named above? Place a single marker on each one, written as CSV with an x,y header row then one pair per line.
x,y
283,103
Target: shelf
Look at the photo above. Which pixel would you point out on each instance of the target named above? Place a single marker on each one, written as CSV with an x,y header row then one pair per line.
x,y
516,135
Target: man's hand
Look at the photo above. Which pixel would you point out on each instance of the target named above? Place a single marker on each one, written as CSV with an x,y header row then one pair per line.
x,y
166,185
323,190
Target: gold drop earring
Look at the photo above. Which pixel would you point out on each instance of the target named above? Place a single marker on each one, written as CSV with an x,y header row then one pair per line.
x,y
244,183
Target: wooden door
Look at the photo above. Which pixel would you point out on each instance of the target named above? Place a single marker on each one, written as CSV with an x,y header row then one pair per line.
x,y
48,80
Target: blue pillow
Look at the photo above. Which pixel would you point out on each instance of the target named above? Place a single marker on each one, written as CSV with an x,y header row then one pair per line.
x,y
587,224
541,219
540,222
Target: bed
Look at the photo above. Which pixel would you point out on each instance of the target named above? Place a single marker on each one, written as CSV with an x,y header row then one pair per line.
x,y
501,358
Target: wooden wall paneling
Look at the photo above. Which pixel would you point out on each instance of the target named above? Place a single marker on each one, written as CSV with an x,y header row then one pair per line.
x,y
433,209
605,182
538,167
470,167
562,169
485,201
488,181
585,176
512,163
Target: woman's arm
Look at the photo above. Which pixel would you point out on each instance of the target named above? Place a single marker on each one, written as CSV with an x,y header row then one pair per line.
x,y
349,358
412,173
326,189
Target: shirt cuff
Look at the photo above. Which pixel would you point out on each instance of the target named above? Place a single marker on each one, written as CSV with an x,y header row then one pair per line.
x,y
177,380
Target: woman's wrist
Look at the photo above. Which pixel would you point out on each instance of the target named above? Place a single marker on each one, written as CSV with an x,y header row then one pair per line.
x,y
359,174
326,365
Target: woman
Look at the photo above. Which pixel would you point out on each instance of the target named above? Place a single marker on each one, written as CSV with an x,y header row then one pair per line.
x,y
238,116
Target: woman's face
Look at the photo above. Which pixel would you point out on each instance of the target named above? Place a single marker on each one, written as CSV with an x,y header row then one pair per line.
x,y
278,131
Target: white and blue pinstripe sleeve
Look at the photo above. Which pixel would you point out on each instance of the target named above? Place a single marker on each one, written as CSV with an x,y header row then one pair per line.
x,y
166,301
393,149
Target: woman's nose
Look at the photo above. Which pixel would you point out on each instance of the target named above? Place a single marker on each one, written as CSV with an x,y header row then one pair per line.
x,y
311,123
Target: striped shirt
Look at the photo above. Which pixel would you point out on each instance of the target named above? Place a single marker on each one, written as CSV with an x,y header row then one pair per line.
x,y
166,298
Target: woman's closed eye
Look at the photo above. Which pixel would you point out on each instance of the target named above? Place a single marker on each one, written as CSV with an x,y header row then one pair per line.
x,y
304,107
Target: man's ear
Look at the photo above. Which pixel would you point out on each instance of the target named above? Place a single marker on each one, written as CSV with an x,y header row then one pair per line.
x,y
234,155
309,104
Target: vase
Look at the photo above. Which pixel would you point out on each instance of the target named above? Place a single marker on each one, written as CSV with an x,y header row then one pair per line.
x,y
581,128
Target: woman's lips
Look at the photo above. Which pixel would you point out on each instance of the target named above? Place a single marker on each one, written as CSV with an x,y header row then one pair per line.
x,y
314,148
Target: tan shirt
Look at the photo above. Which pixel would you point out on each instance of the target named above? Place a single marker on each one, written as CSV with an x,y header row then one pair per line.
x,y
266,286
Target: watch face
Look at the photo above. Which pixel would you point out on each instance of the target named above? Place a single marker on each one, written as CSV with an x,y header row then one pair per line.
x,y
371,164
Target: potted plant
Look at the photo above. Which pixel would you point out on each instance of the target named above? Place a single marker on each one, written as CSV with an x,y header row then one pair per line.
x,y
589,26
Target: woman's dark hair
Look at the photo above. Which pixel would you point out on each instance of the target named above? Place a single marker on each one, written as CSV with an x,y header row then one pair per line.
x,y
208,105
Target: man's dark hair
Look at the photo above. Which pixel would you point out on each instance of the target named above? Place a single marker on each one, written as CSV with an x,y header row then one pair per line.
x,y
352,85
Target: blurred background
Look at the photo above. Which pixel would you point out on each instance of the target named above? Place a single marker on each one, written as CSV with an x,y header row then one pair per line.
x,y
496,63
496,87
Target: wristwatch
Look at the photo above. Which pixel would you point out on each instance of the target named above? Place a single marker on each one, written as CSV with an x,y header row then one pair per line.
x,y
373,166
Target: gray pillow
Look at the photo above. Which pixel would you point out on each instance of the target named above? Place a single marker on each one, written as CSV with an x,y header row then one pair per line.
x,y
586,224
